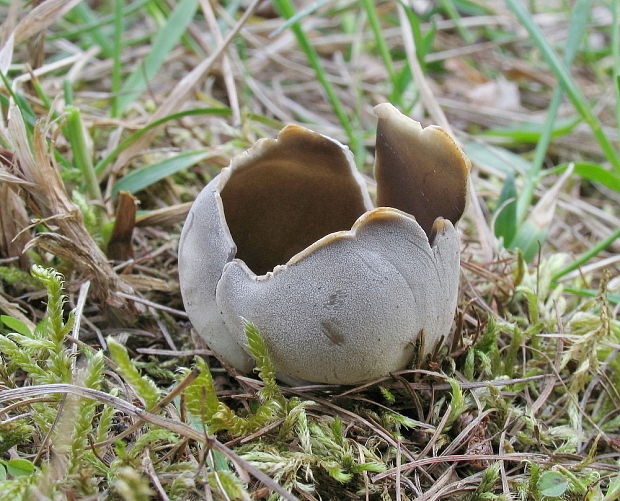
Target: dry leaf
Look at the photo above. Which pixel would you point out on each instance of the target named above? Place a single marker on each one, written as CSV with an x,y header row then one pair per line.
x,y
6,55
42,16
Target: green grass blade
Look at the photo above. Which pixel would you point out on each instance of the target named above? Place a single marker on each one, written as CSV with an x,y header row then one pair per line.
x,y
591,172
375,25
496,158
533,132
36,85
572,91
86,16
453,14
103,163
287,10
615,51
103,21
611,297
589,254
116,60
164,42
506,218
299,16
422,41
26,111
529,238
164,12
81,156
67,92
596,173
141,178
578,22
16,325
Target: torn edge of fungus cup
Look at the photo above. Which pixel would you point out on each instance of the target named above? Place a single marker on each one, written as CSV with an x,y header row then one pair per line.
x,y
287,238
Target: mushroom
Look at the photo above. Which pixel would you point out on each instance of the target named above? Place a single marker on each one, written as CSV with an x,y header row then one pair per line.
x,y
286,237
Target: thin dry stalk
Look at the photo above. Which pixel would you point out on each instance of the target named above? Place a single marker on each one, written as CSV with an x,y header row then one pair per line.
x,y
42,16
147,463
229,79
77,321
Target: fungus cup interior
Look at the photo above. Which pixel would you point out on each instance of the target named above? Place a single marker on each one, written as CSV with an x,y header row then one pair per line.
x,y
421,171
284,195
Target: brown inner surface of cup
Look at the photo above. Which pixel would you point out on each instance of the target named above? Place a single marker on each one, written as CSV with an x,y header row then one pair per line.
x,y
289,196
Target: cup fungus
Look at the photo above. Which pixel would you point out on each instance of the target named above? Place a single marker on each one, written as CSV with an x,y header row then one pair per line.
x,y
286,237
